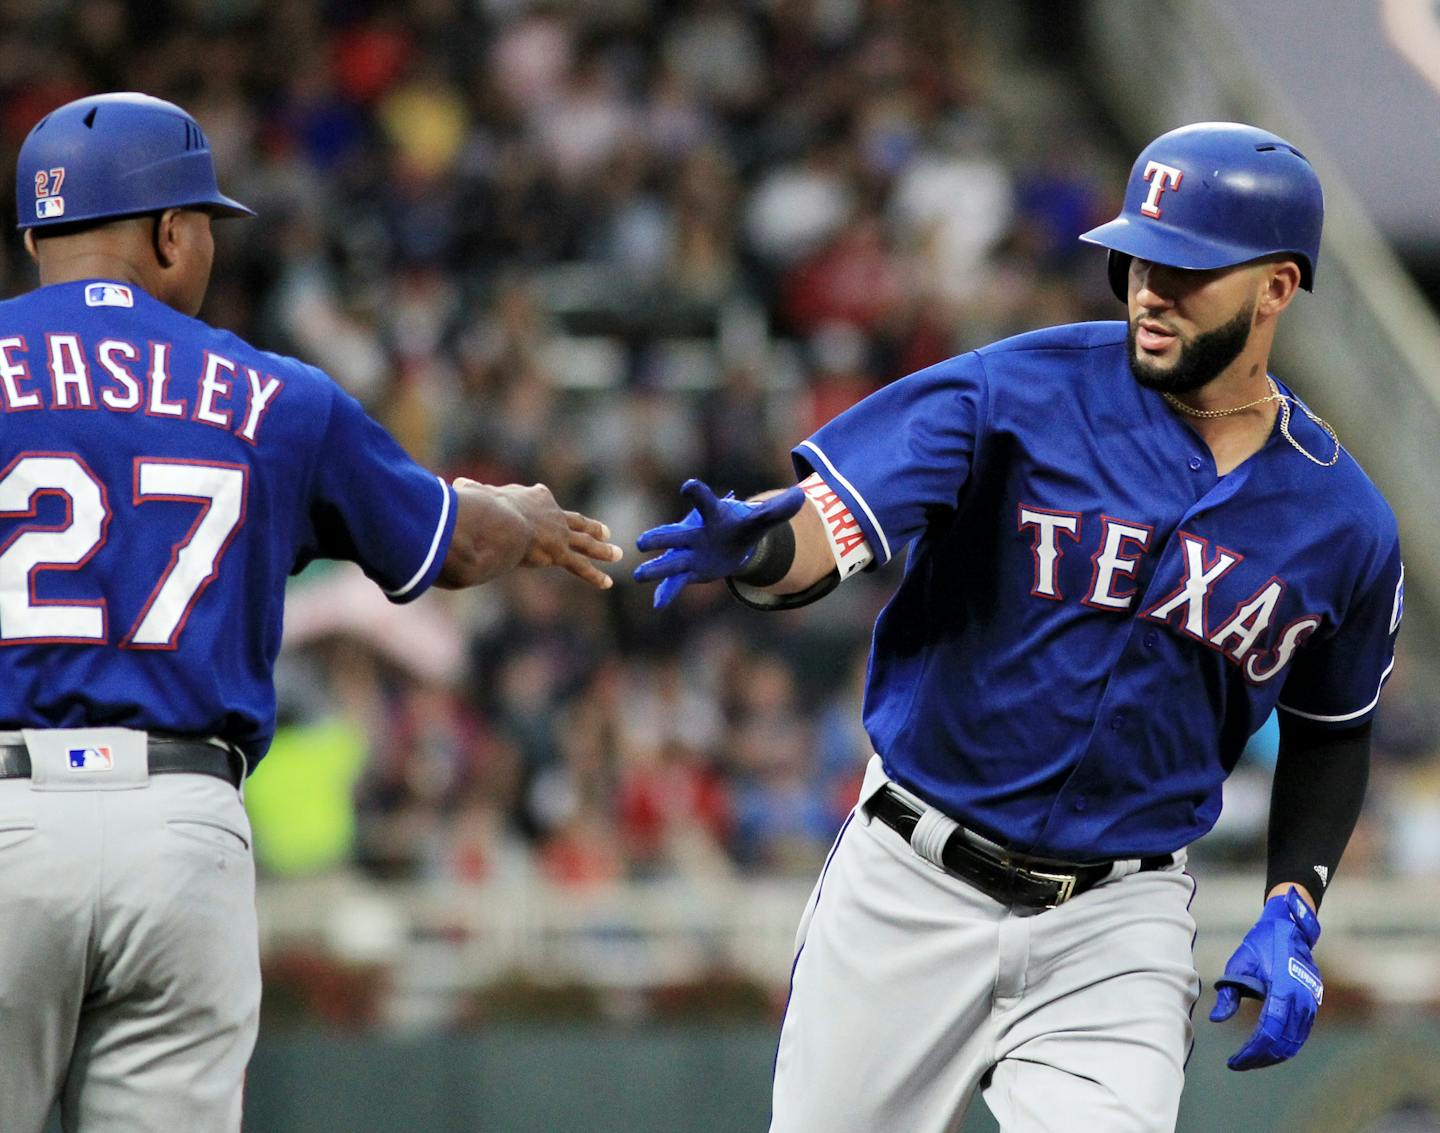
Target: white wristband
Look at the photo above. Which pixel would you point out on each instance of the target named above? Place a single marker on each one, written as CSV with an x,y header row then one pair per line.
x,y
847,542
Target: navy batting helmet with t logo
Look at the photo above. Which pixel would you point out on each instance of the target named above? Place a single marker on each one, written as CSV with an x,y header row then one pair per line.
x,y
114,155
1215,194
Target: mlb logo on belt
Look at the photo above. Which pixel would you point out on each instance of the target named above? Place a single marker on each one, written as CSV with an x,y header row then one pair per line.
x,y
108,295
92,758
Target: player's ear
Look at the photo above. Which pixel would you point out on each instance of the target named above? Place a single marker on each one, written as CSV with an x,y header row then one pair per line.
x,y
165,236
1281,282
30,249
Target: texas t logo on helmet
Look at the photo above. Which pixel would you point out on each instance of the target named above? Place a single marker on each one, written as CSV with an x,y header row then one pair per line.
x,y
1161,177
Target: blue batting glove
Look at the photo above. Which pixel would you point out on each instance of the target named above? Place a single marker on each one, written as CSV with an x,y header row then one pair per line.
x,y
1273,964
716,539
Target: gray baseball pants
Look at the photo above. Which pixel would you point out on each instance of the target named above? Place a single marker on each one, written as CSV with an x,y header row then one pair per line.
x,y
129,968
912,990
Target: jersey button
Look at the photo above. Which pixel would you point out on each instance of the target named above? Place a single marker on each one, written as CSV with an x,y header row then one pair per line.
x,y
1080,803
1196,464
1117,721
1150,639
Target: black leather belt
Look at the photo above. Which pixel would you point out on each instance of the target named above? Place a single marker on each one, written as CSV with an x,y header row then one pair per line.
x,y
165,757
1029,882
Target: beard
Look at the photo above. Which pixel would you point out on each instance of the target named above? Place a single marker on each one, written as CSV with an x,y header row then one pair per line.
x,y
1201,359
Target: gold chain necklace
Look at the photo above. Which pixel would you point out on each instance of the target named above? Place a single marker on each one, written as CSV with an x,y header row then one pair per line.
x,y
1273,395
1191,411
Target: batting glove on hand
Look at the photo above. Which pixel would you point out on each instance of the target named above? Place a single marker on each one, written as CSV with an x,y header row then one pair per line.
x,y
716,539
1273,964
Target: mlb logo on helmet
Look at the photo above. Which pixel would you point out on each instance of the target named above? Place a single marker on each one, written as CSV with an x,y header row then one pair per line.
x,y
92,759
47,208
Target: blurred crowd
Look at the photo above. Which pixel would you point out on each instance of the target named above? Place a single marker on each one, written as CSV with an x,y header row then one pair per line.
x,y
607,245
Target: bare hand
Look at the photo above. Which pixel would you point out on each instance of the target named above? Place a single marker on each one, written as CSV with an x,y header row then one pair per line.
x,y
566,539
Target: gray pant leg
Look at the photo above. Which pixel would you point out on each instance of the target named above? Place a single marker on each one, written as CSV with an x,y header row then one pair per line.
x,y
887,1024
46,898
1099,1035
910,986
171,1018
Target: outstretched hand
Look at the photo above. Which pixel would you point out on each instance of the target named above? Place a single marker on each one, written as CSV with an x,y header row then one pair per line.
x,y
1273,964
548,535
716,539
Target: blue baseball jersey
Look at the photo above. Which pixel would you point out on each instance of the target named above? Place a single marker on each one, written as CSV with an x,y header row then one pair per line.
x,y
1091,621
159,481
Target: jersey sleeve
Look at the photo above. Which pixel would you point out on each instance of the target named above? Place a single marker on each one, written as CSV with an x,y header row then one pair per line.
x,y
1337,681
375,506
904,452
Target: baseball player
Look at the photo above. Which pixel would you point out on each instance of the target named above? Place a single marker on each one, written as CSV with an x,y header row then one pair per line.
x,y
159,481
1127,545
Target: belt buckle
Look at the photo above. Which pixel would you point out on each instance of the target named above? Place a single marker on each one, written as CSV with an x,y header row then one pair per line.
x,y
1066,881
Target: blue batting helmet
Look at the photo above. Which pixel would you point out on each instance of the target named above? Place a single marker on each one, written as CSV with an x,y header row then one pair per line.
x,y
115,155
1215,194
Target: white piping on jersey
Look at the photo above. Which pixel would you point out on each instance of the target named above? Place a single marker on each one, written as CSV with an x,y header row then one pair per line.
x,y
859,499
434,545
1349,715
